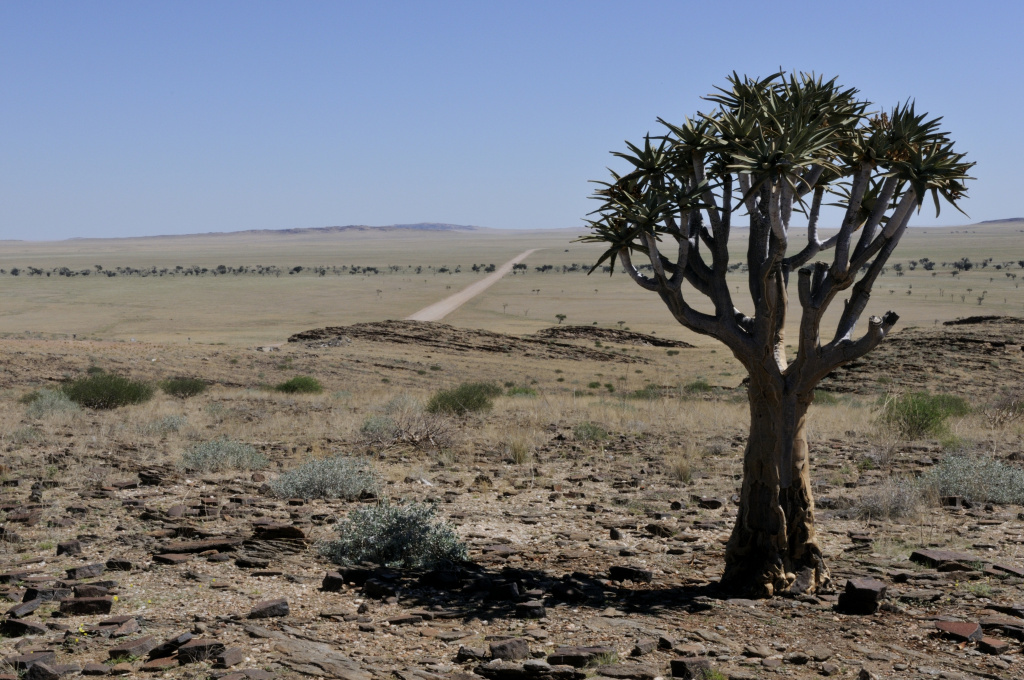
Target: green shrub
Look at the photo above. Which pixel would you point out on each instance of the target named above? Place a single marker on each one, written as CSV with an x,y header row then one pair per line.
x,y
407,536
589,432
672,352
697,386
824,398
515,391
917,414
594,385
979,479
336,477
303,384
223,454
107,391
649,392
183,387
466,398
48,402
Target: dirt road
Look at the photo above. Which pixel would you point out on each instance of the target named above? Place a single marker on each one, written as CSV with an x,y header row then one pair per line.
x,y
439,310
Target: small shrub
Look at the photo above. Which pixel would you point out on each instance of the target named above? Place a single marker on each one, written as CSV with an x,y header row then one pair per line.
x,y
163,426
917,414
518,451
223,454
699,385
594,385
589,432
107,391
648,392
404,420
466,398
824,398
1007,409
94,370
408,536
672,352
336,477
24,435
679,467
977,478
183,387
300,384
894,498
49,402
514,391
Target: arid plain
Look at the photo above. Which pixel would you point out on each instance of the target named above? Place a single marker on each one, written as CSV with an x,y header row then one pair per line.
x,y
617,443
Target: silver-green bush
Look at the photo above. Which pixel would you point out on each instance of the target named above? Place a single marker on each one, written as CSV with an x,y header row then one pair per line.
x,y
894,498
407,536
49,402
337,477
978,478
223,454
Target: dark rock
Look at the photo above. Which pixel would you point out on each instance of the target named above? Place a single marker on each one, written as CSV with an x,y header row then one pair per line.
x,y
643,647
510,650
991,645
628,573
129,627
862,596
252,563
199,650
118,565
470,654
46,594
23,662
933,558
534,609
24,609
90,590
172,558
278,532
269,609
660,530
136,648
69,548
405,620
710,503
86,571
829,669
959,630
86,606
42,671
169,647
627,672
218,544
95,669
157,665
333,582
232,656
577,656
20,628
690,669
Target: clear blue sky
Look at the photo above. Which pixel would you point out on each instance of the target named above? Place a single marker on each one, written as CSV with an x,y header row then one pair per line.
x,y
139,118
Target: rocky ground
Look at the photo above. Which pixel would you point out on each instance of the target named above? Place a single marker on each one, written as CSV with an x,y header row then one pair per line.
x,y
590,561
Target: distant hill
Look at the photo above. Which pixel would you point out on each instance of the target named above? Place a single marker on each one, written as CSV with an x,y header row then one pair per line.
x,y
419,226
1008,219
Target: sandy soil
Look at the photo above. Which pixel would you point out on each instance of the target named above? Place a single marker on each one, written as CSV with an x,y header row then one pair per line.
x,y
439,310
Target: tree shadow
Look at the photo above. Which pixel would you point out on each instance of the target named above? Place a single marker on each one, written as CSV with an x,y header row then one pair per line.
x,y
471,591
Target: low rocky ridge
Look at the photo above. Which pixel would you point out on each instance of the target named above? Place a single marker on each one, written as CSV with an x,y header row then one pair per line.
x,y
974,356
616,335
444,337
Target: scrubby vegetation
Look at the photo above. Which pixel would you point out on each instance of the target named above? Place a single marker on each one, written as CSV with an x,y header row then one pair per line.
x,y
183,387
106,391
977,478
466,398
894,498
300,384
42,403
404,420
223,454
336,477
917,414
409,536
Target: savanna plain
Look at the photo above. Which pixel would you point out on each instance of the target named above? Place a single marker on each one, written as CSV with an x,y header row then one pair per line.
x,y
228,456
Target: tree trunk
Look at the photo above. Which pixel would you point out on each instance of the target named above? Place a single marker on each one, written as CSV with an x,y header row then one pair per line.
x,y
773,547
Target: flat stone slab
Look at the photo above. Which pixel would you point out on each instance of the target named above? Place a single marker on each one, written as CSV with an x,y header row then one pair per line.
x,y
137,647
933,558
960,630
218,544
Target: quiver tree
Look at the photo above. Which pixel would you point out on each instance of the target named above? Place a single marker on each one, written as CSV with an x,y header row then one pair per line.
x,y
772,148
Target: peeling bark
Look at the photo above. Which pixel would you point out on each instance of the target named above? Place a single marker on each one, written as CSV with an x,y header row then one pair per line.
x,y
773,548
